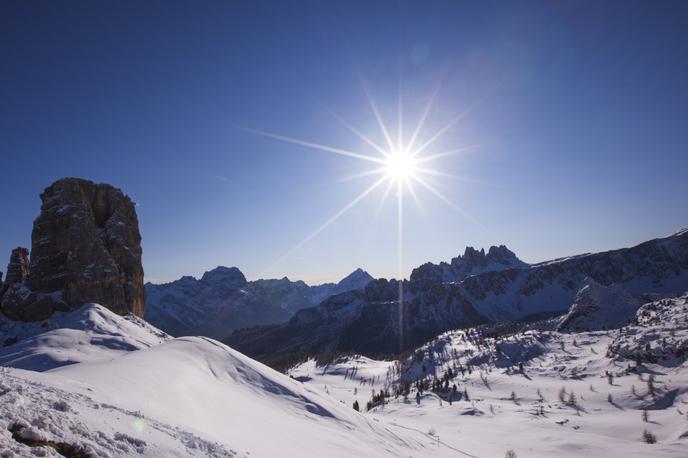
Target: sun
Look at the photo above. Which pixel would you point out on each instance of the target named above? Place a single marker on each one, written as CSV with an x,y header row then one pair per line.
x,y
400,163
400,166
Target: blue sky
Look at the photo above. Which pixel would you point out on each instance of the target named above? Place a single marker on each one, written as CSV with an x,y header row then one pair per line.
x,y
580,108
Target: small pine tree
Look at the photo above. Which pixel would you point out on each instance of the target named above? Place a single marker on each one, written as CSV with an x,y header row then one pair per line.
x,y
609,399
645,416
356,408
510,454
513,396
562,394
651,384
648,437
465,394
572,399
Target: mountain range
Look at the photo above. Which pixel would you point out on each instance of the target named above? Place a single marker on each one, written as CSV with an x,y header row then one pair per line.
x,y
463,293
222,300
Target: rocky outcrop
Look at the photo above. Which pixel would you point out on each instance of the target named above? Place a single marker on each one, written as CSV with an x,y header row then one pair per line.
x,y
473,262
86,247
598,307
18,267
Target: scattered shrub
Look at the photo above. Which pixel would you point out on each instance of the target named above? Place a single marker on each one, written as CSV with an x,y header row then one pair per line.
x,y
648,437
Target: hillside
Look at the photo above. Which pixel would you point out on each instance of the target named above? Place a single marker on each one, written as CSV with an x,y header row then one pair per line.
x,y
535,391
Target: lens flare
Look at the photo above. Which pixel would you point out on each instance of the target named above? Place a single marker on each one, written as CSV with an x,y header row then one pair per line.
x,y
402,165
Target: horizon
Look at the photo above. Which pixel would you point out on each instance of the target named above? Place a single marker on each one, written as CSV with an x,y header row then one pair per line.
x,y
578,117
336,280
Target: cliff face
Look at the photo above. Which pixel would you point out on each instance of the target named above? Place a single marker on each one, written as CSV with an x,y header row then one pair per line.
x,y
86,247
18,267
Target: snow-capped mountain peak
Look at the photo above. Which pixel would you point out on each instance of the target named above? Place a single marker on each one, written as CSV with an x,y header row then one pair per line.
x,y
230,277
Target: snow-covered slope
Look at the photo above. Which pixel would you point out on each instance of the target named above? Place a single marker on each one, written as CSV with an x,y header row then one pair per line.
x,y
520,387
89,333
658,334
598,307
539,393
189,396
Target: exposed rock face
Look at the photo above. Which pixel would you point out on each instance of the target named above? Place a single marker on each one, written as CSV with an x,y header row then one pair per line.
x,y
18,267
86,247
86,242
473,262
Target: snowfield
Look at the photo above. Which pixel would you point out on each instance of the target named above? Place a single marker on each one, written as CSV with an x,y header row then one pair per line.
x,y
574,397
111,386
189,396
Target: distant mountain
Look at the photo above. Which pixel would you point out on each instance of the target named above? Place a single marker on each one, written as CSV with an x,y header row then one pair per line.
x,y
439,298
223,300
473,262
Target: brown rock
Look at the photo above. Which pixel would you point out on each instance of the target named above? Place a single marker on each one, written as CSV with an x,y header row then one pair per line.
x,y
86,243
18,268
21,303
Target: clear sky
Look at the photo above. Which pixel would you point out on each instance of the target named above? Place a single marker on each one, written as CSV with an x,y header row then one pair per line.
x,y
580,109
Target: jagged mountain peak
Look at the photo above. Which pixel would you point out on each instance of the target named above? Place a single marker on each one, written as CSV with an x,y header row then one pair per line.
x,y
498,254
472,262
